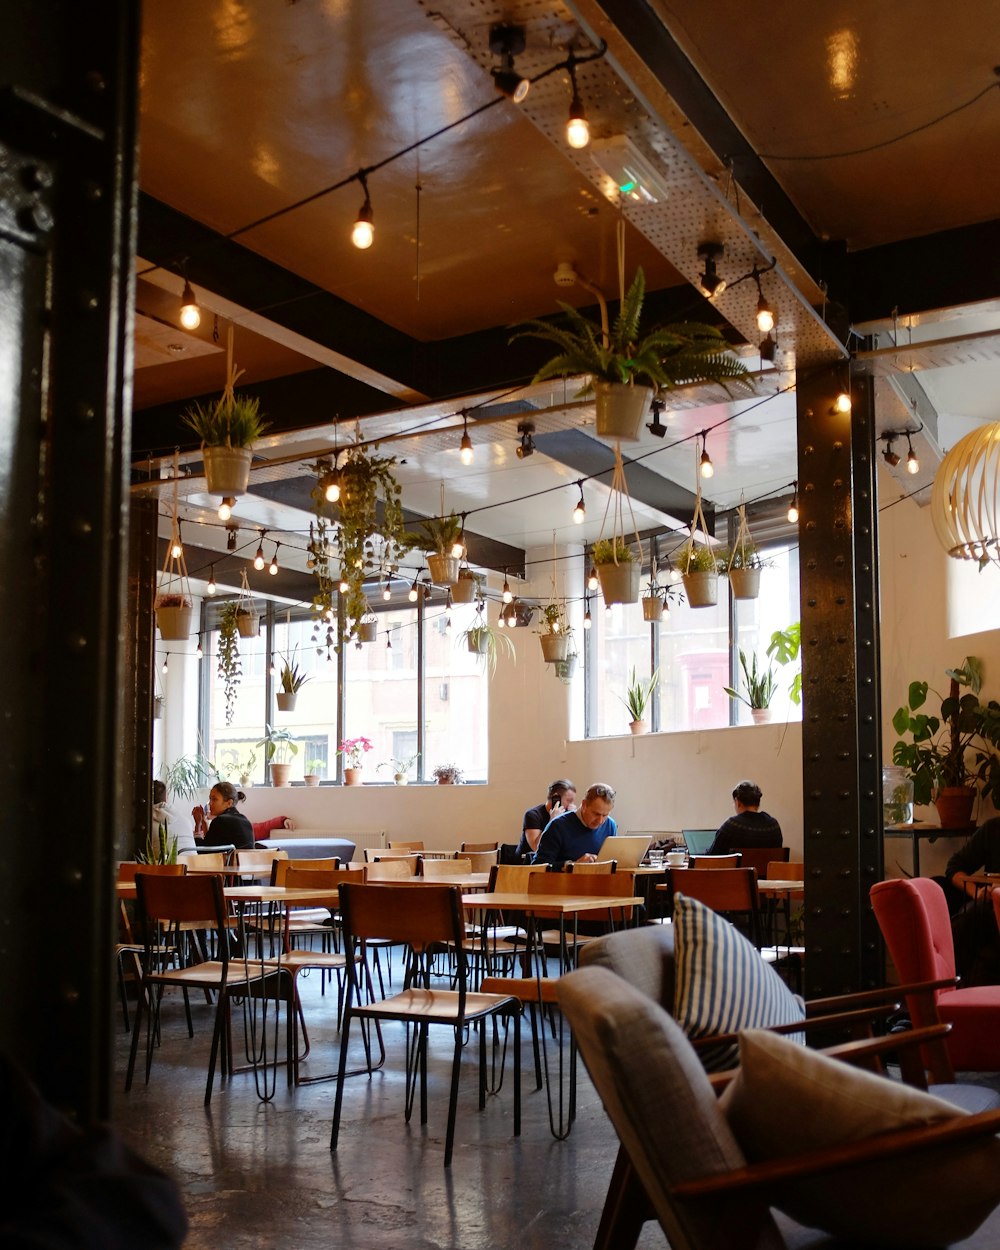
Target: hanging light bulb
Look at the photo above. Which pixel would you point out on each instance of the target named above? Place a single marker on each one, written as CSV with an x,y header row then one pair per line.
x,y
211,587
577,126
765,313
190,312
344,585
506,596
501,622
843,402
413,592
330,482
258,560
363,231
912,463
199,650
166,663
706,467
273,669
458,546
177,549
447,626
388,641
226,507
592,579
387,590
580,511
793,507
466,454
272,568
588,620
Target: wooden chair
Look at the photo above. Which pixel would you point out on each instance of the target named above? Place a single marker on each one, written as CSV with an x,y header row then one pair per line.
x,y
384,869
730,891
718,862
196,900
128,953
210,861
480,846
758,857
570,883
258,863
405,846
779,870
431,868
481,861
600,866
282,866
423,919
410,863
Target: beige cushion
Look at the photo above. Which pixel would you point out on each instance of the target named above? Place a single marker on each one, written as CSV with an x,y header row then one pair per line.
x,y
721,983
787,1100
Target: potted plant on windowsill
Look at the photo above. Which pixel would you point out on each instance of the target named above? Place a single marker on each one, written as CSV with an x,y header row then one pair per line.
x,y
760,686
354,751
618,570
313,772
554,633
447,775
400,768
292,679
279,748
228,428
440,537
636,699
623,364
951,756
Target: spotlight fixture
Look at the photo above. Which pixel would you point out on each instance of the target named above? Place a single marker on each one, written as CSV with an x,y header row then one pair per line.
x,y
466,454
506,595
211,587
655,426
258,560
889,456
231,532
793,507
843,402
527,448
272,568
226,507
577,126
592,582
363,231
413,592
580,511
705,466
190,312
912,463
711,283
767,348
506,42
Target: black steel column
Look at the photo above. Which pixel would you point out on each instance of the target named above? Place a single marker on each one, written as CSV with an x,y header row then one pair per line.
x,y
841,752
68,76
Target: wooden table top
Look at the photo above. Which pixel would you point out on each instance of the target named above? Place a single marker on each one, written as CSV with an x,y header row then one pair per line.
x,y
550,903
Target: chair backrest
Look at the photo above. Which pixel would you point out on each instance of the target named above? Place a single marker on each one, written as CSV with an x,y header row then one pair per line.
x,y
599,867
480,846
513,878
391,870
190,898
481,861
128,869
569,884
913,916
446,867
709,863
758,857
281,867
780,870
417,916
729,891
405,846
319,878
258,860
213,860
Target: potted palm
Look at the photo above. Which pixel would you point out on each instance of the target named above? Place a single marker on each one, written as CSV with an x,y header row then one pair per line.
x,y
554,633
440,537
760,685
279,748
228,428
292,679
621,365
618,570
636,699
951,756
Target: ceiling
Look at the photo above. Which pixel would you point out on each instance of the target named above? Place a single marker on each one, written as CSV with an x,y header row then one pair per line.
x,y
249,107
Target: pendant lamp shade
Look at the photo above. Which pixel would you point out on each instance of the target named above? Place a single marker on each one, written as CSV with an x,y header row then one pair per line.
x,y
965,502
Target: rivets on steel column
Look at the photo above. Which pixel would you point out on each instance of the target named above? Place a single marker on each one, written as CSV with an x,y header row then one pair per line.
x,y
840,600
838,483
82,528
811,602
96,81
85,411
35,218
77,642
75,758
88,301
93,191
36,177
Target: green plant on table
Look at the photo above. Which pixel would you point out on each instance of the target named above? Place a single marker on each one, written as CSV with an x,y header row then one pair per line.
x,y
638,694
161,849
760,683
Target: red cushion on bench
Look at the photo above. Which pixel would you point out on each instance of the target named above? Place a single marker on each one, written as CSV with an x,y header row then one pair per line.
x,y
261,828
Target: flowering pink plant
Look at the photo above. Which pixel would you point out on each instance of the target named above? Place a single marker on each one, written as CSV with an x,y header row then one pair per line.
x,y
352,749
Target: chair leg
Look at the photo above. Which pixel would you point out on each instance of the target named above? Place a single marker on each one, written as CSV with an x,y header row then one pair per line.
x,y
534,1045
341,1073
626,1208
517,1070
218,1038
453,1101
136,1031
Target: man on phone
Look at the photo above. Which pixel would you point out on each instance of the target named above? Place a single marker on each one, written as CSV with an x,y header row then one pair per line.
x,y
560,798
578,836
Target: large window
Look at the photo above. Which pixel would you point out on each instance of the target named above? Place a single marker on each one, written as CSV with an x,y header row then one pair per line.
x,y
415,690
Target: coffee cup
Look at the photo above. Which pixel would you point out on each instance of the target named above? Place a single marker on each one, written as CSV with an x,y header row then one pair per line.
x,y
676,859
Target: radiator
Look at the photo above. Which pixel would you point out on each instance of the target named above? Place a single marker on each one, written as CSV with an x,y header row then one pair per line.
x,y
366,840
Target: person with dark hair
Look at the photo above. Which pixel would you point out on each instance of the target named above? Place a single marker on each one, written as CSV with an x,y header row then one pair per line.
x,y
578,836
750,826
560,798
229,827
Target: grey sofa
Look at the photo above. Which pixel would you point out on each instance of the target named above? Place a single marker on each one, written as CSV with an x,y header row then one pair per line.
x,y
311,847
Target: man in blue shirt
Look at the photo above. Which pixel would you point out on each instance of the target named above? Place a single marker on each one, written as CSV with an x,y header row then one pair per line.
x,y
578,835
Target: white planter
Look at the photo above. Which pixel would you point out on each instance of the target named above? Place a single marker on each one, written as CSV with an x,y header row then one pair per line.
x,y
620,410
652,608
286,701
463,590
399,779
443,569
760,715
745,583
702,589
227,469
638,727
619,582
554,647
479,644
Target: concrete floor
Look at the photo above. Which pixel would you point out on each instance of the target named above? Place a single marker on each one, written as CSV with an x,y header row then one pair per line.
x,y
257,1174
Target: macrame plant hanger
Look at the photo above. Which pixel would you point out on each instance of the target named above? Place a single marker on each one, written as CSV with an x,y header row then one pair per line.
x,y
698,516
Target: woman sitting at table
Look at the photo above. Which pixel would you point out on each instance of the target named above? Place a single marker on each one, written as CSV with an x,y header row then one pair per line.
x,y
750,826
229,827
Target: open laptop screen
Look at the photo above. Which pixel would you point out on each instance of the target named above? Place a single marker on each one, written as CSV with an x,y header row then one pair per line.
x,y
627,849
698,841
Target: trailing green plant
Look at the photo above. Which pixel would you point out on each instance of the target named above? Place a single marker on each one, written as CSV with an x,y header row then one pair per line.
x,y
612,551
188,774
496,642
229,421
292,677
161,849
438,534
760,683
228,660
663,358
955,748
638,694
278,744
784,647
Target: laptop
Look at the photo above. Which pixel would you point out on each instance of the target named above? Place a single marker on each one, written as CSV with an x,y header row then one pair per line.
x,y
627,849
698,841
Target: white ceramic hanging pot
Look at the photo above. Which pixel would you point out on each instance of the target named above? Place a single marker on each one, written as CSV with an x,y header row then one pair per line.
x,y
227,469
443,569
745,583
620,409
554,647
619,582
702,589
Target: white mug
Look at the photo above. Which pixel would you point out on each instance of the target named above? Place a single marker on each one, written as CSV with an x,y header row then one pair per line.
x,y
676,859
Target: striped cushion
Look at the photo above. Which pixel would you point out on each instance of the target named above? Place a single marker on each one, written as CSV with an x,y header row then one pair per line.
x,y
721,984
